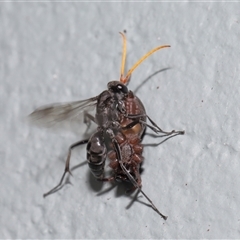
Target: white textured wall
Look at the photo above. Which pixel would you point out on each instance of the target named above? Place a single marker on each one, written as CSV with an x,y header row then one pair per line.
x,y
54,52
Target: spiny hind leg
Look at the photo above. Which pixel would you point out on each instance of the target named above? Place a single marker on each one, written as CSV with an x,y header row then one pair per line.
x,y
66,170
153,127
138,181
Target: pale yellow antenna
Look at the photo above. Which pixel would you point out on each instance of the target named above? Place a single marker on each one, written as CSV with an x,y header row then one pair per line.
x,y
124,51
126,78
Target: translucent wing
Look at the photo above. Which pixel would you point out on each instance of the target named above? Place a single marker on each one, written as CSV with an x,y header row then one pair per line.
x,y
49,115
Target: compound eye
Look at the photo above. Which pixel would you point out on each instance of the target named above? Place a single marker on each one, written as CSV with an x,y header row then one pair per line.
x,y
122,88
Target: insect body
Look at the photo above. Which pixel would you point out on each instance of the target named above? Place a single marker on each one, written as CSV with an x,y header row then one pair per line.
x,y
121,121
110,107
131,157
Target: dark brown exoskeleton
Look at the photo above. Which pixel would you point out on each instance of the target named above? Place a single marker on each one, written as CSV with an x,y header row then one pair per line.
x,y
121,120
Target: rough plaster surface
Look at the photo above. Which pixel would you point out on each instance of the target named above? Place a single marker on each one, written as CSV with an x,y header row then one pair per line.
x,y
56,52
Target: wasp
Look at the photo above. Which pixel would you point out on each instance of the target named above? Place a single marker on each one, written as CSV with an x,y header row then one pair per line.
x,y
121,121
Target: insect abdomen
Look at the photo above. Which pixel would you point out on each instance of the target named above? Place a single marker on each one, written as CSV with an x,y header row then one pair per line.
x,y
96,155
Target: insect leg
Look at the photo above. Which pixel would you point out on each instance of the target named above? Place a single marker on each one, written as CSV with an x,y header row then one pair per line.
x,y
67,170
133,181
130,177
139,180
88,118
154,126
160,130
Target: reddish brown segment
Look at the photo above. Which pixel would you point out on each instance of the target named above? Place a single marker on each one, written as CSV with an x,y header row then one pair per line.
x,y
133,107
129,141
131,153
